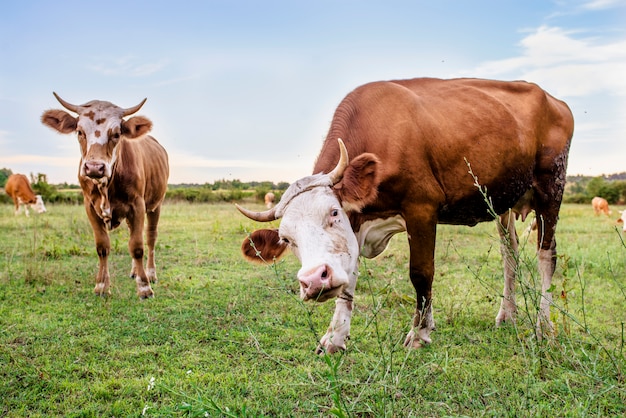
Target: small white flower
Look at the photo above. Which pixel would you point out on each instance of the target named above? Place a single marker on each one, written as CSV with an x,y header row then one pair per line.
x,y
188,372
151,383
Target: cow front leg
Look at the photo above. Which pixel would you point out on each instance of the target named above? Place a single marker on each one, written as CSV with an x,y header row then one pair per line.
x,y
135,247
103,281
421,234
510,256
339,330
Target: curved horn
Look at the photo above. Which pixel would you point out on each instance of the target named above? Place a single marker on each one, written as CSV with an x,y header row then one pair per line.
x,y
337,172
68,106
134,109
268,215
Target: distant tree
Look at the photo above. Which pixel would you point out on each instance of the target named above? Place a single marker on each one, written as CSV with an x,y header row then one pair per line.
x,y
4,176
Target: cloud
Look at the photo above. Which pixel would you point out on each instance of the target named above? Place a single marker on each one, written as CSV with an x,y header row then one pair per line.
x,y
602,4
565,64
125,66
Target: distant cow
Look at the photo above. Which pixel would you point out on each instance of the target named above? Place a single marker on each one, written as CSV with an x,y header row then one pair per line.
x,y
123,173
600,205
419,153
622,219
18,187
269,199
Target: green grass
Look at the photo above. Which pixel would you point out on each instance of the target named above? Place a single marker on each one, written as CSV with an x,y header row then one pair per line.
x,y
226,338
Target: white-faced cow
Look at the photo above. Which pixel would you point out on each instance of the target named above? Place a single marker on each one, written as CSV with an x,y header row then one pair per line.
x,y
269,199
409,146
622,219
600,205
18,187
123,173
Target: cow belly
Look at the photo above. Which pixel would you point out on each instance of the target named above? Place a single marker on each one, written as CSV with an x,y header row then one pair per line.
x,y
474,209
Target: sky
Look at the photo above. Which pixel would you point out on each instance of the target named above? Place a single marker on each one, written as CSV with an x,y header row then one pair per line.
x,y
246,90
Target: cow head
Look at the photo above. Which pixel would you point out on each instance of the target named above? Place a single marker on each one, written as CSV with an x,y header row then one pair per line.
x,y
99,126
316,227
38,206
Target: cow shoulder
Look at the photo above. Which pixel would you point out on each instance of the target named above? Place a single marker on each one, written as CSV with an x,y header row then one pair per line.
x,y
263,245
359,185
59,120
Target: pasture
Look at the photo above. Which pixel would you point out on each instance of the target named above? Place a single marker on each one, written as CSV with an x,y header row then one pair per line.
x,y
226,338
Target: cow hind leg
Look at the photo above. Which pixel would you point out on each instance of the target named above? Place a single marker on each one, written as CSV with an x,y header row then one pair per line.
x,y
135,247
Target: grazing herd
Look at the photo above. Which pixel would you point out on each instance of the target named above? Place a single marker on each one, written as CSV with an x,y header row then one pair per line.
x,y
400,156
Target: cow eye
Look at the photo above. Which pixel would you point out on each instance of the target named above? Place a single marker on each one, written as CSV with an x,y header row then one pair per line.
x,y
284,240
334,213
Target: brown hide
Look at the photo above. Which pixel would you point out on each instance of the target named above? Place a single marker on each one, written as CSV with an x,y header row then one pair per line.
x,y
425,132
18,187
600,205
131,188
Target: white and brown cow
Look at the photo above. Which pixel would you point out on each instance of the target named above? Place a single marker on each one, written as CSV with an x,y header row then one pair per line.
x,y
405,166
18,187
123,173
622,219
600,205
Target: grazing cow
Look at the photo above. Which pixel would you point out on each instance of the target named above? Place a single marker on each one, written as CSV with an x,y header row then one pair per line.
x,y
18,187
600,205
622,219
418,153
123,173
269,199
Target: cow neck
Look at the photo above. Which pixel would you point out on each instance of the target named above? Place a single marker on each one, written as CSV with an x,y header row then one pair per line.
x,y
101,203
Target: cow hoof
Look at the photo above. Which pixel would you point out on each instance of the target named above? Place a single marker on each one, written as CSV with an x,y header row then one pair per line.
x,y
331,349
146,295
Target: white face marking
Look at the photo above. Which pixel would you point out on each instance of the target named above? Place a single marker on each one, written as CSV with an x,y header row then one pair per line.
x,y
99,123
319,234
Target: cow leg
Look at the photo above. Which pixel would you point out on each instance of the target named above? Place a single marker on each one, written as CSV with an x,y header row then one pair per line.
x,y
421,232
135,246
339,329
103,248
548,202
510,255
151,237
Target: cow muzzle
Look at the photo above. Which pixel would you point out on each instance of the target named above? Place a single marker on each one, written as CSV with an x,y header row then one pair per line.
x,y
319,284
94,169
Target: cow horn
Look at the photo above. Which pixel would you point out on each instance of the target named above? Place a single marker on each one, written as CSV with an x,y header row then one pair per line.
x,y
68,106
267,216
134,109
337,172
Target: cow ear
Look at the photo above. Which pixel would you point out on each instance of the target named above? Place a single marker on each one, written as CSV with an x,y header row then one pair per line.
x,y
359,185
59,120
136,126
263,246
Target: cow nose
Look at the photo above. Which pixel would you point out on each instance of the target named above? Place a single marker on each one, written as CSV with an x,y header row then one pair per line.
x,y
94,169
315,281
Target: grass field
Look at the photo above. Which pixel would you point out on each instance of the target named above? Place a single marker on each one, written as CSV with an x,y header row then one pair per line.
x,y
226,338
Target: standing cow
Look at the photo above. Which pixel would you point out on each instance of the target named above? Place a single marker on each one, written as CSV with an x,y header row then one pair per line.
x,y
18,187
409,146
123,173
600,205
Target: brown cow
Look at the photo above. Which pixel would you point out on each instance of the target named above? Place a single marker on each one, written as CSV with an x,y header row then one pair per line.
x,y
123,173
269,199
600,205
423,152
18,187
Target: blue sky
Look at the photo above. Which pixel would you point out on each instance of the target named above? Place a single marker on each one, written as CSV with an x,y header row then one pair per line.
x,y
246,89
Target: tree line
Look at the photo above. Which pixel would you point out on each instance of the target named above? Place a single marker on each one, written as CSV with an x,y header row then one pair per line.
x,y
579,189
